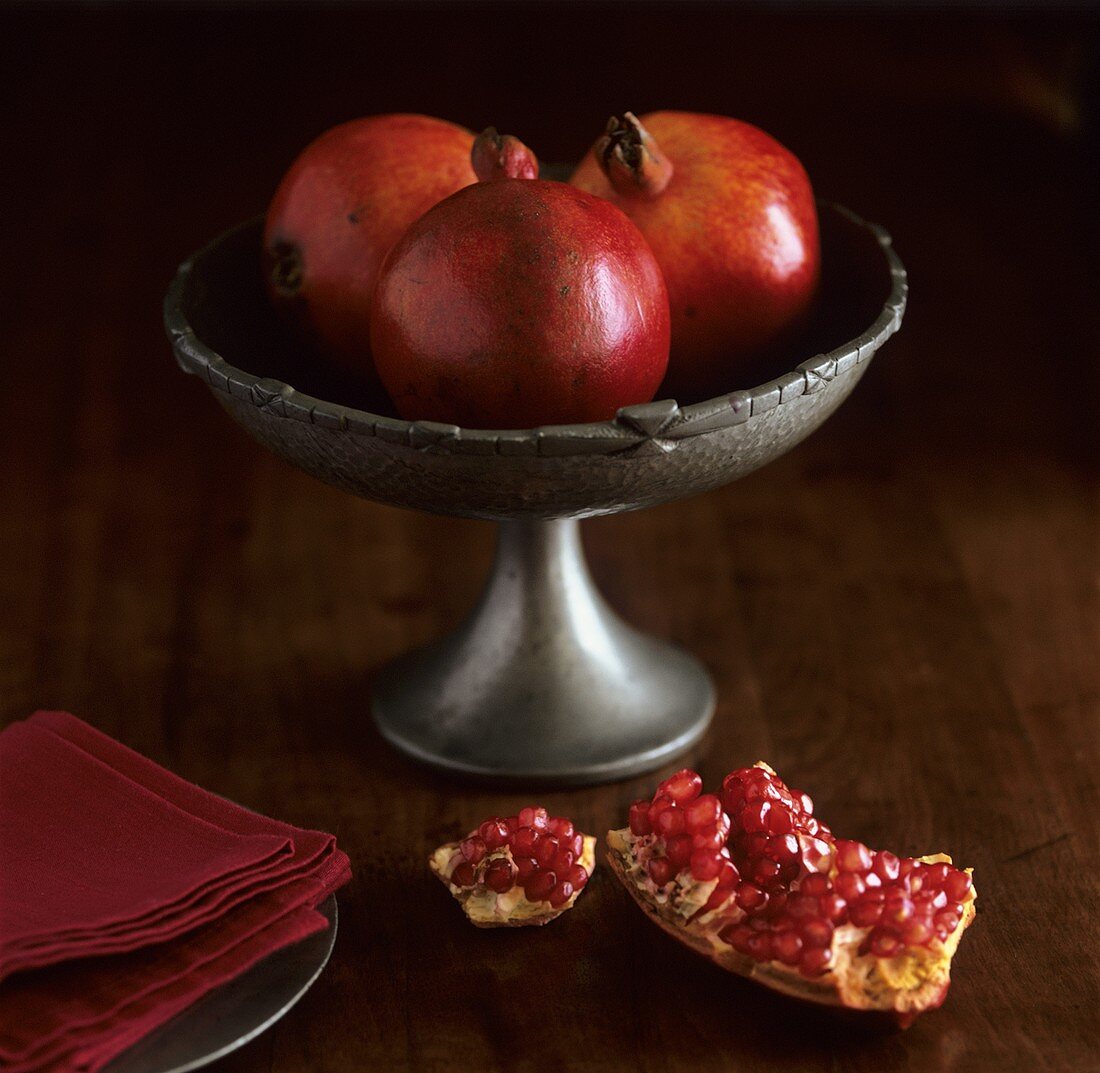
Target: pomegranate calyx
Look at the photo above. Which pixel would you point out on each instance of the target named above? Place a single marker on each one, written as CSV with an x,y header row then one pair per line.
x,y
631,158
286,270
502,156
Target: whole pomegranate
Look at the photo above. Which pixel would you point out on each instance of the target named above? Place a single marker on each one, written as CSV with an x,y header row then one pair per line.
x,y
753,880
520,870
519,302
730,215
345,201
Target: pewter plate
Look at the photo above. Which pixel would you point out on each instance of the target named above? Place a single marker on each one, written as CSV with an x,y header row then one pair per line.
x,y
235,1013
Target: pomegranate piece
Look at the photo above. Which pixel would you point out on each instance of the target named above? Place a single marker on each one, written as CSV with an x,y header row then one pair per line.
x,y
517,303
343,203
518,870
784,902
749,285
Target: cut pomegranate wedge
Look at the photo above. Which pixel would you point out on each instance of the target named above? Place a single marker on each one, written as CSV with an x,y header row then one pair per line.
x,y
525,869
753,880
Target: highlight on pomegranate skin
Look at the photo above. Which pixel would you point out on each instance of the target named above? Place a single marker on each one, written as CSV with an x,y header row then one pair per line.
x,y
519,870
750,878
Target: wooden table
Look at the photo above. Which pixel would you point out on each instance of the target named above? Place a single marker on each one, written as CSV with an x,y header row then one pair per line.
x,y
901,614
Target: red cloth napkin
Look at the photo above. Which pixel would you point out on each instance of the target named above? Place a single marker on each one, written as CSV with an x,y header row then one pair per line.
x,y
126,894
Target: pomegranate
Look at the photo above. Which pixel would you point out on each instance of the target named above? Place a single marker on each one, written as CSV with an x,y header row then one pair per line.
x,y
523,869
345,201
730,215
519,302
753,880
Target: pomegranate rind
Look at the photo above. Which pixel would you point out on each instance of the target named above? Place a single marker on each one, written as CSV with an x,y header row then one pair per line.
x,y
485,908
901,987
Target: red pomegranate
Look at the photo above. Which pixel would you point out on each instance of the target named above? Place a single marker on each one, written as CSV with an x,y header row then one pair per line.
x,y
517,303
345,201
730,215
753,880
525,869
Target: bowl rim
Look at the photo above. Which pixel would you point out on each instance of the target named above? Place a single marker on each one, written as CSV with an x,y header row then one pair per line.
x,y
663,421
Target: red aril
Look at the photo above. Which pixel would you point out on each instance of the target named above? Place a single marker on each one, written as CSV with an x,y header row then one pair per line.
x,y
523,869
785,902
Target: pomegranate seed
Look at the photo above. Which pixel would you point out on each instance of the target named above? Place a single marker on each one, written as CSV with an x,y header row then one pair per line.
x,y
540,885
864,914
885,944
560,827
916,933
755,844
708,838
908,866
886,866
575,842
750,897
494,832
946,920
935,875
658,805
760,946
957,885
782,848
802,906
670,822
703,812
834,908
546,850
678,851
849,885
764,871
705,865
682,787
871,880
525,869
473,848
897,909
815,960
780,821
755,816
538,818
738,936
577,875
463,875
815,885
787,947
804,801
812,826
563,860
816,932
561,893
524,842
500,875
660,870
639,819
729,876
853,856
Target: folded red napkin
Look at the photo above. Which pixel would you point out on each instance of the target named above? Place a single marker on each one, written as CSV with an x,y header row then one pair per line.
x,y
126,894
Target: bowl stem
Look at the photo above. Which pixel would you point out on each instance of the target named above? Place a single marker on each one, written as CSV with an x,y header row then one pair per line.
x,y
543,682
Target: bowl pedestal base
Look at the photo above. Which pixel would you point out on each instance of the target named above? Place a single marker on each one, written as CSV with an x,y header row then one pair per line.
x,y
543,682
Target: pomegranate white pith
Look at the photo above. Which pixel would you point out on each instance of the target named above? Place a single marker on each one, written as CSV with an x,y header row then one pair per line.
x,y
751,879
523,869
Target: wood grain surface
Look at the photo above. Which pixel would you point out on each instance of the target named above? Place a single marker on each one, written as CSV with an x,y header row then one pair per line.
x,y
901,614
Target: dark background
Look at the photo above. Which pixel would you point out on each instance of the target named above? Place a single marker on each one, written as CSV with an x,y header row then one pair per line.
x,y
901,614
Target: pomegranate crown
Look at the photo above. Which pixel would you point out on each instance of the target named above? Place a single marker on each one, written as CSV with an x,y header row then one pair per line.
x,y
502,156
631,158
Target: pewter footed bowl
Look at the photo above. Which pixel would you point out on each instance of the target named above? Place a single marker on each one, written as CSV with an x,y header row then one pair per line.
x,y
542,682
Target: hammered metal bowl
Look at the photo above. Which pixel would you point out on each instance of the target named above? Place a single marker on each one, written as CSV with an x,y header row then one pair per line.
x,y
543,682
